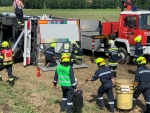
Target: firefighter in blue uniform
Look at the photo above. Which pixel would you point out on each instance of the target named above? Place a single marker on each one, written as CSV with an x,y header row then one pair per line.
x,y
64,75
77,53
106,77
66,50
138,48
142,82
50,56
6,61
113,57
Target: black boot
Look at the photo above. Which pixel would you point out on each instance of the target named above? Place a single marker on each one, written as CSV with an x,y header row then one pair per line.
x,y
111,108
11,83
115,73
134,103
63,105
0,79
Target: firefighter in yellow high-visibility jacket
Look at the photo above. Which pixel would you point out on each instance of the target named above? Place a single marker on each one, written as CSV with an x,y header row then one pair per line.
x,y
6,61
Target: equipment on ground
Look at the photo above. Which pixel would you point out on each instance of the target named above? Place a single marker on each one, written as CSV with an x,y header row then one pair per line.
x,y
124,93
38,73
78,101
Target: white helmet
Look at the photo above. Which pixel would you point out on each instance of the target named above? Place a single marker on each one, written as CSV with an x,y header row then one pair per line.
x,y
66,46
111,42
73,42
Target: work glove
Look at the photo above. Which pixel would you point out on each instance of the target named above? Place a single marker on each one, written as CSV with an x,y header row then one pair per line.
x,y
134,60
135,87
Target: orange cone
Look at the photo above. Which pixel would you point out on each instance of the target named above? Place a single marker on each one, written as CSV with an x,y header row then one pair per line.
x,y
38,72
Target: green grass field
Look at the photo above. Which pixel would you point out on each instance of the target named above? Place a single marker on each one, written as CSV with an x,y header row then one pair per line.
x,y
90,14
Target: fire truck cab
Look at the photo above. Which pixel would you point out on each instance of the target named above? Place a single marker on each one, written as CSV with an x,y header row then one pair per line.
x,y
132,24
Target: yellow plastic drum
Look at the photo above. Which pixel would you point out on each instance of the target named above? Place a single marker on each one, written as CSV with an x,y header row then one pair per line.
x,y
124,93
124,100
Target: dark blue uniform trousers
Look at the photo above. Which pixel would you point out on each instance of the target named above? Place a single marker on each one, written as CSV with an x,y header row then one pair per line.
x,y
52,61
113,70
67,99
8,68
145,90
106,88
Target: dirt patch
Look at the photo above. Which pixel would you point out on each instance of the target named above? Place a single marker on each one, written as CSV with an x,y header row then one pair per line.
x,y
6,109
37,99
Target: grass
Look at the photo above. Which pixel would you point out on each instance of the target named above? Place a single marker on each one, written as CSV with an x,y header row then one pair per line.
x,y
10,101
89,14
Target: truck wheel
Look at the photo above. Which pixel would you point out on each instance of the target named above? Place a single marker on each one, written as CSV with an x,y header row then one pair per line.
x,y
125,58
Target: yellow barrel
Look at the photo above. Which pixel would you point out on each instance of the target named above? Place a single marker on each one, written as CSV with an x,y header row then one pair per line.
x,y
124,93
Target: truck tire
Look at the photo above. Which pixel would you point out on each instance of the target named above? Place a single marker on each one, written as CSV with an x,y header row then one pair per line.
x,y
125,58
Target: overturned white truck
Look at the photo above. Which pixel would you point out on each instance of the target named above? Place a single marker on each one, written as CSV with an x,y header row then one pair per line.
x,y
37,32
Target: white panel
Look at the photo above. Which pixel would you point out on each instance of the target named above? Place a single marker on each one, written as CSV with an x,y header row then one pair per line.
x,y
72,22
58,32
59,47
25,44
135,12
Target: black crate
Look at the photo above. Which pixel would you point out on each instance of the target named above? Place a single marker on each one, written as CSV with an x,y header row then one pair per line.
x,y
78,101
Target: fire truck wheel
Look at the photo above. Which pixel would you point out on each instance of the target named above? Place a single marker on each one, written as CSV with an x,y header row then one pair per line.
x,y
125,58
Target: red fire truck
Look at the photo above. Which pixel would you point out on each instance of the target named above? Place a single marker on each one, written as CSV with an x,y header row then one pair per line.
x,y
131,23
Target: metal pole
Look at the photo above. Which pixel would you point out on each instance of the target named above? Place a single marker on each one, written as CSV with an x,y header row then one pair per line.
x,y
93,40
1,34
13,48
25,43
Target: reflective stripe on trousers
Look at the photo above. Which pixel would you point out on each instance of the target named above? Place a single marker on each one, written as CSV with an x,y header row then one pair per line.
x,y
106,88
145,90
67,98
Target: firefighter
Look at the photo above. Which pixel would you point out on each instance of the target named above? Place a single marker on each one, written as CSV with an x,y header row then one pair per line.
x,y
17,7
64,75
106,77
50,56
6,61
142,82
138,48
67,51
113,57
77,53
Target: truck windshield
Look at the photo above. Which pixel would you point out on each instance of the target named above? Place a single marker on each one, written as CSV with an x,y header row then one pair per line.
x,y
144,21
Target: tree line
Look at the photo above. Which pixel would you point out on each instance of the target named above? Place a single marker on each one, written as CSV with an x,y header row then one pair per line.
x,y
75,4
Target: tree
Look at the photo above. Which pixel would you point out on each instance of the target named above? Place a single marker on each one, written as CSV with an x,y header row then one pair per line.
x,y
65,4
142,4
95,4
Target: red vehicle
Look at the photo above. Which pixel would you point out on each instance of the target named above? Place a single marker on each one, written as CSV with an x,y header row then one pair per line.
x,y
131,23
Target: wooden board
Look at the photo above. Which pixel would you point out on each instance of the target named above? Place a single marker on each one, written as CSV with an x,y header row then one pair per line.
x,y
54,68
